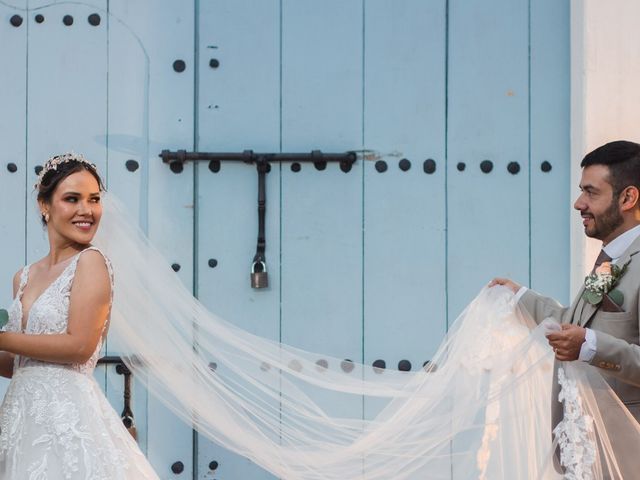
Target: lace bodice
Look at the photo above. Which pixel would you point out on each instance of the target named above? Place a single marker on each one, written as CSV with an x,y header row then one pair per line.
x,y
49,313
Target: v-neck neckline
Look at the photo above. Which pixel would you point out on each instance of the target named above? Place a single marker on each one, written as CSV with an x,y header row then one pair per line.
x,y
25,323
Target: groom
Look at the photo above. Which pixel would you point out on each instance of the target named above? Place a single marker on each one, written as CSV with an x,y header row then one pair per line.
x,y
604,334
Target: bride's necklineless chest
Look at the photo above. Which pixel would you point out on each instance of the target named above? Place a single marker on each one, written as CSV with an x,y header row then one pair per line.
x,y
26,312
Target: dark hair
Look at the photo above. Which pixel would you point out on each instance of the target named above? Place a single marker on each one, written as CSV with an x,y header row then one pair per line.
x,y
52,179
623,160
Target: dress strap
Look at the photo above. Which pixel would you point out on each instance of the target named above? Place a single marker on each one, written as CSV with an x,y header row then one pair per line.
x,y
24,275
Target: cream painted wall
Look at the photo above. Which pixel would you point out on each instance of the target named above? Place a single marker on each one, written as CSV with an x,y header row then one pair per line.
x,y
605,97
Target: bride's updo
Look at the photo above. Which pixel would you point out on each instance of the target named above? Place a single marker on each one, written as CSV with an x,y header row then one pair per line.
x,y
58,168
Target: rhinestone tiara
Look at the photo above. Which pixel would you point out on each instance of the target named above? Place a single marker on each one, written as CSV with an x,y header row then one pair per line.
x,y
53,162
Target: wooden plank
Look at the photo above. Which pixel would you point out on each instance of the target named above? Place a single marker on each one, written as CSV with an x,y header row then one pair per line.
x,y
166,211
127,139
550,134
322,210
67,90
488,220
404,211
488,121
238,109
15,191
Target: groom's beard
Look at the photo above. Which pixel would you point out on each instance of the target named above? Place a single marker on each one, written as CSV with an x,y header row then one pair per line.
x,y
605,223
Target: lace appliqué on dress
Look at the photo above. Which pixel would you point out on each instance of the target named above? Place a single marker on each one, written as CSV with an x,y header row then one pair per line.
x,y
55,422
574,433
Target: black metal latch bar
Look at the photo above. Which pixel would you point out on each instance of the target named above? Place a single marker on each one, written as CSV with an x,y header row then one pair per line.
x,y
127,412
263,162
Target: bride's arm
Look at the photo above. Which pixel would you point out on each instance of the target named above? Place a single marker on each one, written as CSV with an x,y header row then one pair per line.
x,y
88,310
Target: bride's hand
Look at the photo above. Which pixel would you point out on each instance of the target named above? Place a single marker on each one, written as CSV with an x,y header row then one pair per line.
x,y
510,284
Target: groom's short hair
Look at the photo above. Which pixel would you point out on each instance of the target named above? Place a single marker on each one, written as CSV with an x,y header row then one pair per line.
x,y
622,158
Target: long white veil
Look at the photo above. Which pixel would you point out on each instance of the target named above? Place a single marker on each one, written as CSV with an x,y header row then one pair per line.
x,y
481,409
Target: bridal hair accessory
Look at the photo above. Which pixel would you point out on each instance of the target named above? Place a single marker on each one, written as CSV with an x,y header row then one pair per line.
x,y
55,161
600,283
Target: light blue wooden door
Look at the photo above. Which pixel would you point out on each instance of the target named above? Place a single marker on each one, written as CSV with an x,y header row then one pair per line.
x,y
459,112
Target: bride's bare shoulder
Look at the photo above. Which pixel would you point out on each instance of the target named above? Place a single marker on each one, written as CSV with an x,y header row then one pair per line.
x,y
92,266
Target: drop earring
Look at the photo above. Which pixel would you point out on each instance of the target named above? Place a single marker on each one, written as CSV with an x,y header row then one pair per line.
x,y
46,217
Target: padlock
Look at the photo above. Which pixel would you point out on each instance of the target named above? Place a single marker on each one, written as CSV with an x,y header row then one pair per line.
x,y
259,279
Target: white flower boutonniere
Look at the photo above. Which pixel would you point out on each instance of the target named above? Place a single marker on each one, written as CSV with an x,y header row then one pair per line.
x,y
602,282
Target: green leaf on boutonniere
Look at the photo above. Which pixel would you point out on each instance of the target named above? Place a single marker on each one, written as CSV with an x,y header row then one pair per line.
x,y
594,298
4,317
617,297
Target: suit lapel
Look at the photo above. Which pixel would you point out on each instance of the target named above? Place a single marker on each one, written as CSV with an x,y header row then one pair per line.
x,y
577,307
585,311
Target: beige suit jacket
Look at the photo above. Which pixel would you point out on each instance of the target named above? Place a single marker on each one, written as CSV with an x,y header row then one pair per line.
x,y
617,333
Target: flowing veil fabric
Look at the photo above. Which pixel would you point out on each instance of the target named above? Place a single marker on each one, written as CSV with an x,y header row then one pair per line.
x,y
481,409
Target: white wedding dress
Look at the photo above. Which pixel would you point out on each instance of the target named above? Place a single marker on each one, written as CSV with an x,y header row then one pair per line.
x,y
55,422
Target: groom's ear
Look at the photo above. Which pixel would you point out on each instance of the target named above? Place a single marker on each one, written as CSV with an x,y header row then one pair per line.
x,y
629,198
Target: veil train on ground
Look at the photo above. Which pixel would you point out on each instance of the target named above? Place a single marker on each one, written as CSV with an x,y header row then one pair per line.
x,y
482,410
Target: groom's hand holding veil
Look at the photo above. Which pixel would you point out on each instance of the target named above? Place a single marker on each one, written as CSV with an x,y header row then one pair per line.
x,y
567,342
510,284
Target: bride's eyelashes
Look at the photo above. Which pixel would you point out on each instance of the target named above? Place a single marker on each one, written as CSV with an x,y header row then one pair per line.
x,y
94,200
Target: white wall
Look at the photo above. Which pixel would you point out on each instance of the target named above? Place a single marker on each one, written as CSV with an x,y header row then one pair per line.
x,y
605,96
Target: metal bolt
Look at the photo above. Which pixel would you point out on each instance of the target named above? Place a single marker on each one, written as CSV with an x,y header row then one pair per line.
x,y
214,166
404,365
513,168
379,366
347,365
429,166
177,467
131,165
322,365
381,166
320,165
345,167
486,166
176,167
94,19
179,66
16,20
404,164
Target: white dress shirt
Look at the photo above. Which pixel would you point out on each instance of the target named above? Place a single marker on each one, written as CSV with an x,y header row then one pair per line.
x,y
615,248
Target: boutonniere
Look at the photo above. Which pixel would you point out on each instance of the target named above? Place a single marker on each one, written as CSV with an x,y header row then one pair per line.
x,y
602,282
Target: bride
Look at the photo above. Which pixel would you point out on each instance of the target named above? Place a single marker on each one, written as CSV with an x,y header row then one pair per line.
x,y
54,421
480,410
